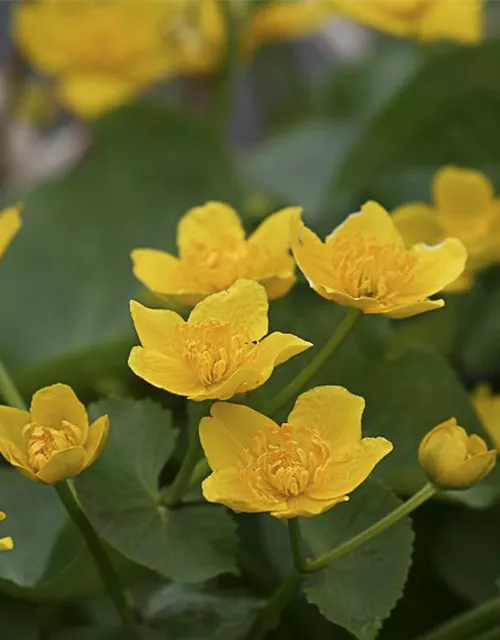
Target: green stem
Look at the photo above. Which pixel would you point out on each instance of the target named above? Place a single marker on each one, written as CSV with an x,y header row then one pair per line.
x,y
8,389
316,564
467,625
174,494
270,614
108,573
200,472
316,364
296,543
224,97
492,634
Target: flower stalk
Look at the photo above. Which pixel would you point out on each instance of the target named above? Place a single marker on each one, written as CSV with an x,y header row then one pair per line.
x,y
317,363
483,619
296,544
174,494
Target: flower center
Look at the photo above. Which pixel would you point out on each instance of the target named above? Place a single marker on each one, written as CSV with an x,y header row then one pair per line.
x,y
213,351
42,442
278,467
364,267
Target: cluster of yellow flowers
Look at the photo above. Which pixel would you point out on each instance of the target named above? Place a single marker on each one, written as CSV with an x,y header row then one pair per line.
x,y
102,53
318,456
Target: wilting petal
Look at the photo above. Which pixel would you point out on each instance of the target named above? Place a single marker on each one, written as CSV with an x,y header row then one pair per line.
x,y
157,328
208,225
244,306
51,405
374,221
98,435
164,372
62,465
10,223
333,412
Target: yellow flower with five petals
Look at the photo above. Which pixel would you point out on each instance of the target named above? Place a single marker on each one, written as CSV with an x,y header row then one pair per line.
x,y
487,406
218,352
214,253
465,207
10,223
425,20
303,468
52,441
364,264
6,544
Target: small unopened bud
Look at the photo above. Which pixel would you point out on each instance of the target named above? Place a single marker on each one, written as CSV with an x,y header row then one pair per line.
x,y
452,459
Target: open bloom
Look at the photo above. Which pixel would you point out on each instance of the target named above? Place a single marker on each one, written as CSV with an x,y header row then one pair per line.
x,y
10,223
426,20
464,206
487,406
213,254
99,53
53,440
306,466
452,459
219,351
365,264
6,544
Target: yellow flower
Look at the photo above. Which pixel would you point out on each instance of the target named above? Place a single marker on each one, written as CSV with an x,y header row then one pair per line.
x,y
487,406
454,460
364,264
218,352
213,254
6,544
302,468
465,207
99,53
53,441
426,20
10,223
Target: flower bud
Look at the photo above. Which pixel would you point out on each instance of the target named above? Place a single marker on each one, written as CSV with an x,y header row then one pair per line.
x,y
452,459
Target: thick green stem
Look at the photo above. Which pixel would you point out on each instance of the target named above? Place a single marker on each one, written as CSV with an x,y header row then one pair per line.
x,y
296,543
316,364
316,564
470,624
200,472
174,494
8,389
270,615
108,573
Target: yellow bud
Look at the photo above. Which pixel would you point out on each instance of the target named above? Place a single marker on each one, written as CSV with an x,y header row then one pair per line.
x,y
452,459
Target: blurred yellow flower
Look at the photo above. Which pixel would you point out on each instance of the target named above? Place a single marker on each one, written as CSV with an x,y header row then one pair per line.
x,y
218,352
214,253
487,406
53,441
99,53
6,544
464,206
10,223
454,460
426,20
302,468
364,264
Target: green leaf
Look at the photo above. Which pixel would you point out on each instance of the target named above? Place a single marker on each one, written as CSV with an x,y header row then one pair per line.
x,y
120,495
359,591
428,123
146,167
18,620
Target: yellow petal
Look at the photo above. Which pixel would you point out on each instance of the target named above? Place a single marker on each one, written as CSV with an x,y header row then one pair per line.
x,y
464,201
343,476
229,432
373,220
332,411
2,516
6,544
487,406
51,405
12,422
462,284
225,487
399,312
157,328
244,306
311,255
436,267
10,223
163,372
278,286
306,507
90,95
162,273
98,435
210,224
417,223
460,20
468,473
273,234
62,465
373,14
